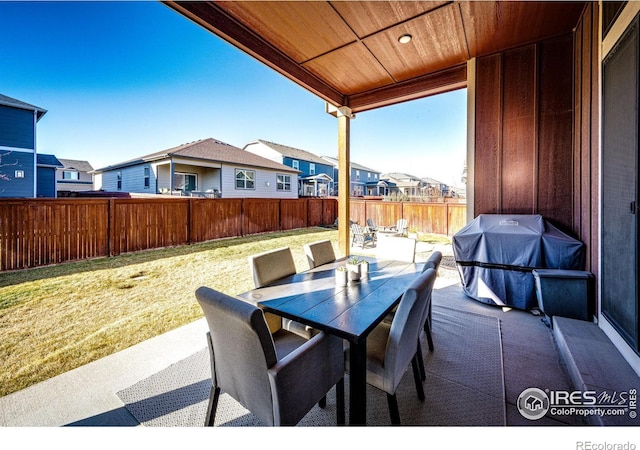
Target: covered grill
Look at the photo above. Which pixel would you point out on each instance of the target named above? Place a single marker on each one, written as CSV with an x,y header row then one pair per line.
x,y
496,254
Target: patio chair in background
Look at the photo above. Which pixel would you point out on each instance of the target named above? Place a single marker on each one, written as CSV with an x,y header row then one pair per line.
x,y
269,267
319,253
400,227
391,347
372,225
278,378
362,236
396,248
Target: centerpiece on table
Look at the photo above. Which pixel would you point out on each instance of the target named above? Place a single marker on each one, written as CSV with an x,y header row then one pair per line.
x,y
357,268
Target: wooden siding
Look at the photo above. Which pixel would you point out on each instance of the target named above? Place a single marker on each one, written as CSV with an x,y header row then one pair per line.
x,y
524,131
586,136
38,232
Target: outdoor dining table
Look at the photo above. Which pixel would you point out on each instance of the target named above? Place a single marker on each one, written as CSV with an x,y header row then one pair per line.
x,y
350,312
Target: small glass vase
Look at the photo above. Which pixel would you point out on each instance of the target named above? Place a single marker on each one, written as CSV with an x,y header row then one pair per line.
x,y
341,277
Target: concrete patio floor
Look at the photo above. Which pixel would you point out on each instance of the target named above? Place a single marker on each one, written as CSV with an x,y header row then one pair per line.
x,y
86,396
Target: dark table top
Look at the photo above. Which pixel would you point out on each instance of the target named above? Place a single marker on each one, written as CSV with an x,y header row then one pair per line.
x,y
351,311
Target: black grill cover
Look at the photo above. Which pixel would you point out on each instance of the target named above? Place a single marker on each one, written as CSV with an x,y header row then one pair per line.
x,y
495,255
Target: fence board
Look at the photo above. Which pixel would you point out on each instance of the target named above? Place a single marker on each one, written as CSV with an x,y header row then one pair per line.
x,y
293,213
260,215
215,218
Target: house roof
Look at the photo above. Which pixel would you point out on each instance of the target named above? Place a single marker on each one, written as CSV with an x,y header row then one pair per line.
x,y
8,101
292,152
44,160
354,165
76,164
206,150
348,53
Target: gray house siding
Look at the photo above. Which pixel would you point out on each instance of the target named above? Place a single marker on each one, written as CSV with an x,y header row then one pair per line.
x,y
10,185
16,128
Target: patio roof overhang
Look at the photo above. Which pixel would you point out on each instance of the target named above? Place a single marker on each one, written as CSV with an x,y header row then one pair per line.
x,y
349,52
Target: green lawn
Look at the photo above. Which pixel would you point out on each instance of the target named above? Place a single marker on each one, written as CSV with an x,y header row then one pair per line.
x,y
56,318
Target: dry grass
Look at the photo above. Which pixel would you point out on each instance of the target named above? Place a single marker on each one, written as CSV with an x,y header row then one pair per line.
x,y
54,319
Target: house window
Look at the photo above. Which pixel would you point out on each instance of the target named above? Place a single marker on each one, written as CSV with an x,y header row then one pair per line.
x,y
245,179
368,176
358,175
185,182
284,182
119,178
70,175
312,169
295,164
146,177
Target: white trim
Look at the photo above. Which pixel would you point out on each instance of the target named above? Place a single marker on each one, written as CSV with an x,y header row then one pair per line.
x,y
35,160
16,149
621,24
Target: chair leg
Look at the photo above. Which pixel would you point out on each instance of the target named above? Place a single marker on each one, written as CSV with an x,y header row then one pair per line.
x,y
423,374
323,402
416,377
213,405
393,409
427,329
340,401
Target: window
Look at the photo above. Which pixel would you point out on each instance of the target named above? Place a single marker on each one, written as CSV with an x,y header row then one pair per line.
x,y
295,164
146,177
368,176
358,175
185,182
119,178
70,175
284,182
245,179
312,169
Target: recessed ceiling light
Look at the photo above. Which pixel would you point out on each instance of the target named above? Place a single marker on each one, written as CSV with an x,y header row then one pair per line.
x,y
404,39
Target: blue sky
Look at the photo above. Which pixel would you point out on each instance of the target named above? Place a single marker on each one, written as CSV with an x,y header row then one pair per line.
x,y
123,79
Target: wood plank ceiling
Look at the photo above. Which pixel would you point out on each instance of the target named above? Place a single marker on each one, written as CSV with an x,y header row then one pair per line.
x,y
348,53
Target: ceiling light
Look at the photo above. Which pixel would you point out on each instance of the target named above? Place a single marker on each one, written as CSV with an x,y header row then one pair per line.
x,y
404,39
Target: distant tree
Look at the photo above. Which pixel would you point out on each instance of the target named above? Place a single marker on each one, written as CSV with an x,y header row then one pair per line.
x,y
4,176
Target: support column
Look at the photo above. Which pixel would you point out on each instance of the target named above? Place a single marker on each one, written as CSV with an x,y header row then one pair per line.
x,y
344,116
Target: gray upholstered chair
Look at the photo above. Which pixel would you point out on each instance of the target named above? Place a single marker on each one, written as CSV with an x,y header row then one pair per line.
x,y
391,347
396,248
319,253
269,267
279,377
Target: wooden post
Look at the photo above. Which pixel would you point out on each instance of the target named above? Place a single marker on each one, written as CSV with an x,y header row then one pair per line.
x,y
344,186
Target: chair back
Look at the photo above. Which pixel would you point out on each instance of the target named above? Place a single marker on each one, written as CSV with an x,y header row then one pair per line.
x,y
271,266
396,248
372,225
242,350
401,226
319,253
406,327
433,262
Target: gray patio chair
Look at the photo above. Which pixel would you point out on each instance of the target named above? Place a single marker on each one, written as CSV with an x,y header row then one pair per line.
x,y
269,267
319,253
372,225
279,377
400,227
391,347
362,236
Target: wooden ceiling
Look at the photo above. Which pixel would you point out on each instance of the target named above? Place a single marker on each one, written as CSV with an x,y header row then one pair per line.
x,y
348,53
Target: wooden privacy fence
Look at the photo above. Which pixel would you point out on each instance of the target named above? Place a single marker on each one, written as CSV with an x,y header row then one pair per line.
x,y
437,218
38,232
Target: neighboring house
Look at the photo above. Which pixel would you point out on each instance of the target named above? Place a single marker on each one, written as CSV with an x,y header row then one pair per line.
x,y
316,174
364,181
434,188
405,184
206,167
46,175
74,176
18,162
